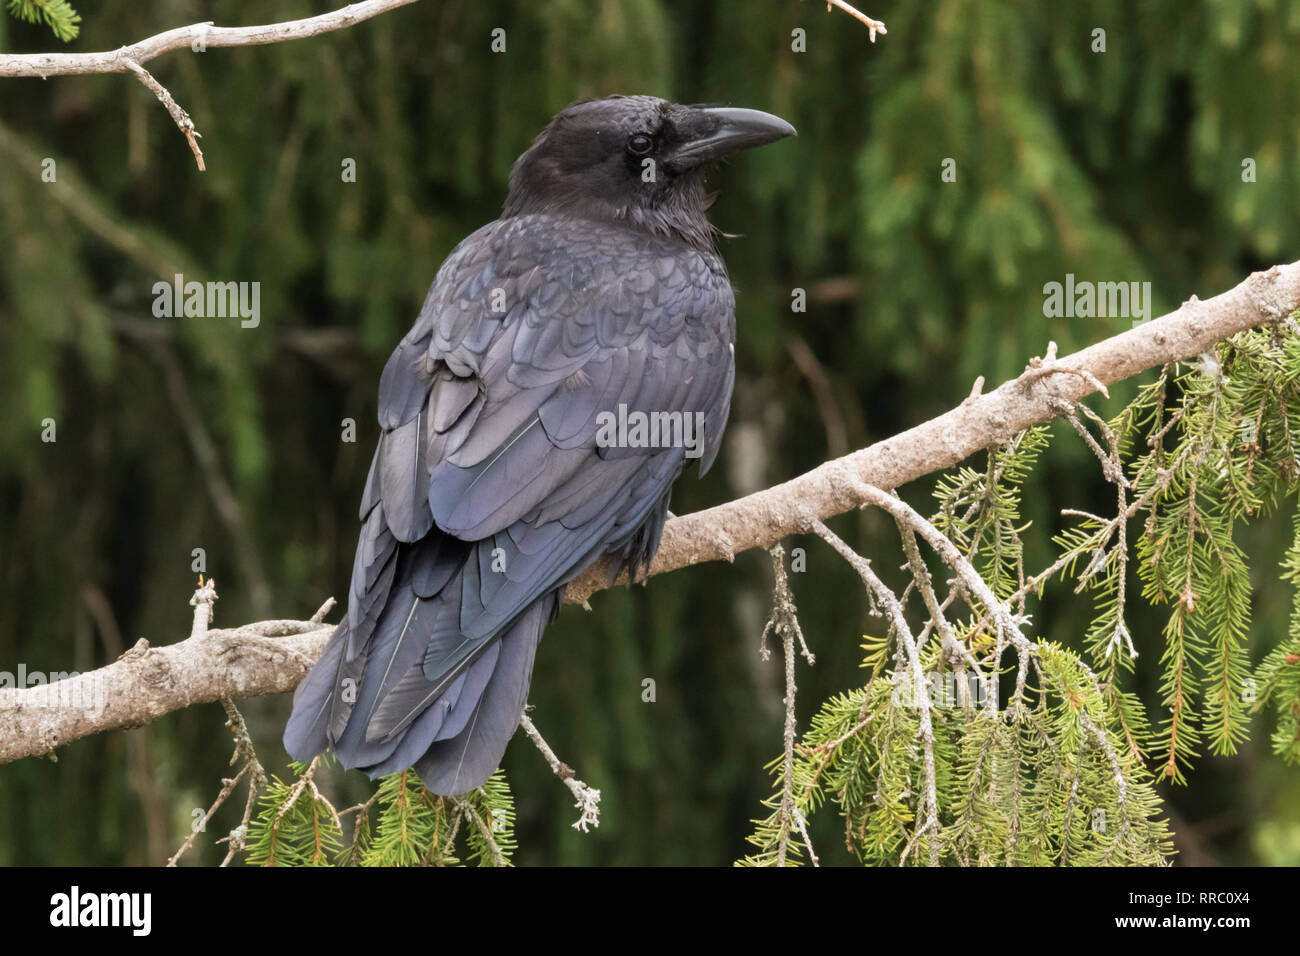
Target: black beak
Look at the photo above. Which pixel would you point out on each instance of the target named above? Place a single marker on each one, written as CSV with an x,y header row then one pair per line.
x,y
712,132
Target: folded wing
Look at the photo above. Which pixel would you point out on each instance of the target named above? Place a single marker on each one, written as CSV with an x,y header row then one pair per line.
x,y
491,486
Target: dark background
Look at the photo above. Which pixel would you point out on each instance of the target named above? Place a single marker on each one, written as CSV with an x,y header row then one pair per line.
x,y
1116,166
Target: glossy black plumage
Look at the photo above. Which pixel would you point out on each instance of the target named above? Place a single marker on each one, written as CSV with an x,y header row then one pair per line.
x,y
489,489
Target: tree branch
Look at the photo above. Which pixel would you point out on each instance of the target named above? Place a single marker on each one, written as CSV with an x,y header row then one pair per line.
x,y
763,518
116,61
272,656
197,37
147,682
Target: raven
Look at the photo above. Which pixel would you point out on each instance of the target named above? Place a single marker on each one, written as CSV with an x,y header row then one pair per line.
x,y
533,422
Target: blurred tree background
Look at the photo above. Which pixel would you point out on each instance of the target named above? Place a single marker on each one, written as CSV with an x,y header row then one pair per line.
x,y
1123,165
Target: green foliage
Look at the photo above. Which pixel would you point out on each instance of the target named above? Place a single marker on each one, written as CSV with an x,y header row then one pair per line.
x,y
1050,783
412,827
293,827
58,15
1278,675
837,717
1217,452
1222,455
980,511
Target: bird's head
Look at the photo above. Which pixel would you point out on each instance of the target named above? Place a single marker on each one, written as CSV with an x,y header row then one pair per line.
x,y
636,160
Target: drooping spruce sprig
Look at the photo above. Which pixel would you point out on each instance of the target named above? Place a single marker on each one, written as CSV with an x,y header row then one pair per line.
x,y
403,824
1050,785
1278,676
980,510
294,826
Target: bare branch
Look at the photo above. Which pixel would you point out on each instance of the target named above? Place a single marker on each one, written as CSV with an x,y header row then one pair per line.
x,y
147,682
588,798
920,696
784,622
198,37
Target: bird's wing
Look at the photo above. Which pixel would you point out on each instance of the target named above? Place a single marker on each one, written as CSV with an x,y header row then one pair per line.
x,y
491,410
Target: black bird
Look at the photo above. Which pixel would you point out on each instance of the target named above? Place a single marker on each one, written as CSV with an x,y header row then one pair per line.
x,y
510,458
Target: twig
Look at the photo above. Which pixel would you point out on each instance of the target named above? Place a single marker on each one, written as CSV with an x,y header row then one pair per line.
x,y
1110,466
1008,623
807,840
1121,784
362,810
1049,365
306,782
322,612
227,788
202,602
1113,468
256,774
952,647
588,798
784,622
923,829
256,777
182,118
875,26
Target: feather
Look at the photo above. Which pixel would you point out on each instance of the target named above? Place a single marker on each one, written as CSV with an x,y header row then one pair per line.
x,y
465,761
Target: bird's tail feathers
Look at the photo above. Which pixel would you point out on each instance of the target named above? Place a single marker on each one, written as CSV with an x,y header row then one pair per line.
x,y
380,713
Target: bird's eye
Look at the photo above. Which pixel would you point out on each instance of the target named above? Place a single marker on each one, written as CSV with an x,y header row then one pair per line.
x,y
640,144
